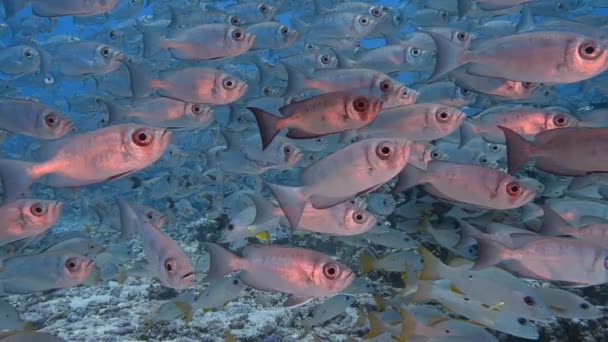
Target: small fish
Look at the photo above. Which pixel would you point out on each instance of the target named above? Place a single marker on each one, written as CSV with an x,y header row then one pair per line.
x,y
11,321
318,116
87,158
566,304
45,8
272,35
35,119
329,309
401,262
86,58
19,60
331,180
301,273
381,204
27,218
218,293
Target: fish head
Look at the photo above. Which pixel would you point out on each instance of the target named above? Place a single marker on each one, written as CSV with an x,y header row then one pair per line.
x,y
107,57
513,192
145,144
325,60
331,276
587,56
484,159
357,220
362,108
177,271
54,124
559,119
238,40
200,112
39,214
266,10
286,36
445,119
228,88
386,156
287,154
418,57
363,24
76,268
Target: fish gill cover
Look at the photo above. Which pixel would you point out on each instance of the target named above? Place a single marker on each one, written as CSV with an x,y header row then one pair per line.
x,y
299,170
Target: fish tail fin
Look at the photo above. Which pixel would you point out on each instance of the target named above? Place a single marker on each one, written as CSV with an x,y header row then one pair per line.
x,y
128,219
291,200
582,182
140,78
376,326
319,9
408,326
553,223
449,56
16,178
12,7
423,292
489,252
186,310
268,124
299,25
467,234
367,261
222,262
116,113
296,80
431,265
519,150
152,40
526,20
463,8
468,131
177,19
408,178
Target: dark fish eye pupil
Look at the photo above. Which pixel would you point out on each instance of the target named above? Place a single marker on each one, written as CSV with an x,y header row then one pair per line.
x,y
235,281
169,267
72,265
359,217
589,50
522,321
529,300
386,150
584,306
142,136
331,271
230,227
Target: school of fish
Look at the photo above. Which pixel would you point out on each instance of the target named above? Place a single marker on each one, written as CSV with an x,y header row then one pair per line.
x,y
434,168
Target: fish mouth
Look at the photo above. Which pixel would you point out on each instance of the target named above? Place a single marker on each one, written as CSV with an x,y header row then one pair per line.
x,y
89,267
188,275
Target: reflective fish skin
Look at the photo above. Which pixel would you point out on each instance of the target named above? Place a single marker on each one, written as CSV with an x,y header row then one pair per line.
x,y
471,184
10,318
26,218
86,58
329,309
498,87
252,13
572,261
195,85
555,225
33,119
415,122
390,58
303,274
337,25
218,293
319,115
566,304
208,41
43,272
272,35
58,8
17,60
564,151
516,57
446,93
161,112
353,170
166,259
525,121
87,158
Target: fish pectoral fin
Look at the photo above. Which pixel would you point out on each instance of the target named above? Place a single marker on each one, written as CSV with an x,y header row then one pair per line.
x,y
294,300
120,175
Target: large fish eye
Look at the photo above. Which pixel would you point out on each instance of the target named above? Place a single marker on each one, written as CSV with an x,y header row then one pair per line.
x,y
263,8
235,282
514,189
37,210
142,137
309,47
483,160
376,12
589,50
51,120
331,270
443,14
462,36
415,52
529,301
197,108
386,85
170,265
284,30
359,217
527,85
465,91
133,2
363,21
584,306
235,20
385,150
522,321
435,155
361,104
287,149
325,59
237,34
443,116
267,91
105,51
228,83
494,148
28,53
560,120
72,265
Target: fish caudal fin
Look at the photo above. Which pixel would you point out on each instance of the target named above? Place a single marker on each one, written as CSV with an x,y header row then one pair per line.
x,y
296,81
449,56
463,7
140,78
467,234
553,223
468,131
268,125
116,113
367,261
408,326
128,219
430,265
291,200
376,326
519,150
16,178
489,252
152,38
408,178
11,7
221,263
